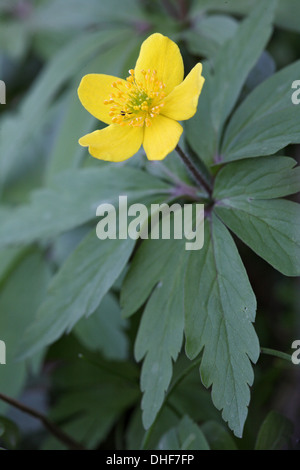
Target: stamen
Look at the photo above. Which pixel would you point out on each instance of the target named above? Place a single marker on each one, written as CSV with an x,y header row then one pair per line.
x,y
136,102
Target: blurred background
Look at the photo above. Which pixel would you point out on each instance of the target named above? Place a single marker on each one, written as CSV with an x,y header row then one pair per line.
x,y
46,46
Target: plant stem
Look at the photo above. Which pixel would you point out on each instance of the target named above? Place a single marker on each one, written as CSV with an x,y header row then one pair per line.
x,y
49,425
193,170
274,353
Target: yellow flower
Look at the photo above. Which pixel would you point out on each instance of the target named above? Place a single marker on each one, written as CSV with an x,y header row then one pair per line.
x,y
144,108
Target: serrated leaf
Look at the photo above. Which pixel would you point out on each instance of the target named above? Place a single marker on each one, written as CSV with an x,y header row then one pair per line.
x,y
266,121
158,266
220,307
231,68
72,199
271,228
77,289
275,432
268,178
185,436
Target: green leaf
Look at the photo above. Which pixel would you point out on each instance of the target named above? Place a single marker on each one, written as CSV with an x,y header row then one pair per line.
x,y
218,437
199,130
75,120
77,289
266,178
264,68
220,307
72,199
20,297
186,436
18,129
88,412
209,33
237,58
287,13
13,39
135,430
158,266
275,432
187,395
9,432
104,330
74,14
231,68
266,121
8,259
271,228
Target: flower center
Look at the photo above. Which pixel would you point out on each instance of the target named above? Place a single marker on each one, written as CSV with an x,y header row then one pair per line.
x,y
135,103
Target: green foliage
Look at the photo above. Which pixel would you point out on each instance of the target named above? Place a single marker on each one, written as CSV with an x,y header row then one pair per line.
x,y
115,332
263,125
9,432
164,268
219,309
186,436
231,68
275,432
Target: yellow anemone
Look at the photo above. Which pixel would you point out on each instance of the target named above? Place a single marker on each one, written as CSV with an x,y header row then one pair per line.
x,y
144,108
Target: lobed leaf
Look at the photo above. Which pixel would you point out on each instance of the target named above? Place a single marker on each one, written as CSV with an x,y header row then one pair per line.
x,y
158,267
220,307
72,199
266,121
268,178
77,289
271,228
221,91
185,436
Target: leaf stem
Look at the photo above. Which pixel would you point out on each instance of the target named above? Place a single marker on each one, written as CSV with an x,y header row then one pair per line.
x,y
49,425
274,353
193,170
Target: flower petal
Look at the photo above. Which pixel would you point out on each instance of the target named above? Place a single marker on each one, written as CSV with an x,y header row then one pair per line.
x,y
161,137
93,90
182,102
114,143
160,53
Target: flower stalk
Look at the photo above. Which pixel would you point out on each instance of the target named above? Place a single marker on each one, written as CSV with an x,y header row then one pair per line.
x,y
197,176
